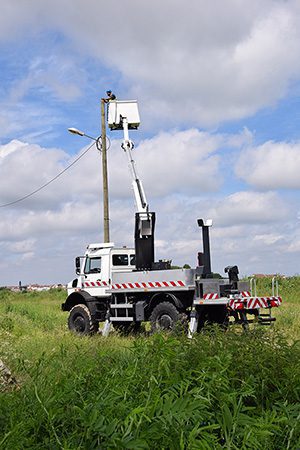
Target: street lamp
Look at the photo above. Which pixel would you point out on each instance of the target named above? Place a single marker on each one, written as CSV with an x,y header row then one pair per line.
x,y
101,145
98,140
75,131
80,133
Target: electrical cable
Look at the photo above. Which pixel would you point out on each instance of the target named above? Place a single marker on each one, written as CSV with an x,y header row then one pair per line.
x,y
99,143
50,181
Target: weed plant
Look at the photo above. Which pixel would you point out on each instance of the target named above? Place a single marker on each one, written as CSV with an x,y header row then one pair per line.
x,y
220,390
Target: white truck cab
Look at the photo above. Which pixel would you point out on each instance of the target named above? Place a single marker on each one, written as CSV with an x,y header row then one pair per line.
x,y
96,267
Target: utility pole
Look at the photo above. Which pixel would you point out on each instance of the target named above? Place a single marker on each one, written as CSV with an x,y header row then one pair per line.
x,y
104,174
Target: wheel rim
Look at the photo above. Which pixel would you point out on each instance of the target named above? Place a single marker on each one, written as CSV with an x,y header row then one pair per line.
x,y
165,322
79,324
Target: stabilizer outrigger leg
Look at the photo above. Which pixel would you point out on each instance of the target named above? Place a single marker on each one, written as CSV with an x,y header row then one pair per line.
x,y
193,324
107,325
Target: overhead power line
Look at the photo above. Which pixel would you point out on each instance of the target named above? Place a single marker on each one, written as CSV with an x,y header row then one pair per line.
x,y
48,182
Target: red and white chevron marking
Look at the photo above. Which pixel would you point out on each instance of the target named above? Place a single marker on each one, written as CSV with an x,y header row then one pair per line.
x,y
210,296
255,302
215,296
95,284
149,285
245,294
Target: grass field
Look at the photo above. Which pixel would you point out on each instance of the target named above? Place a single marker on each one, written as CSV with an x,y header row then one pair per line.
x,y
228,390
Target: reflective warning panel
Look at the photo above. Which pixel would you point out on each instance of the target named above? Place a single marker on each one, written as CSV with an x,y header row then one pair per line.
x,y
118,109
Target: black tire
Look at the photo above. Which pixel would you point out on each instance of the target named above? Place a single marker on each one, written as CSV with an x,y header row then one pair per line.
x,y
80,321
164,317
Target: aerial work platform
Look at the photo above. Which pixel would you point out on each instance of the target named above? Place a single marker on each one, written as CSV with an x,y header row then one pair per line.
x,y
117,109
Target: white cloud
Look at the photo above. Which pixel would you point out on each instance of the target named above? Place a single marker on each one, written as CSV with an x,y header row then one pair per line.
x,y
20,251
294,247
272,165
28,119
258,245
54,74
205,63
180,162
26,246
68,218
256,230
268,239
249,207
36,89
207,70
200,63
24,168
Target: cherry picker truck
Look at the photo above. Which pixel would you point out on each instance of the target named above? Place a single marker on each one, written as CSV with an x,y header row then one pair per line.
x,y
126,286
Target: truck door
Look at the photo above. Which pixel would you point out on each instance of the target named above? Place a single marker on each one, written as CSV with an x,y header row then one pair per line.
x,y
96,276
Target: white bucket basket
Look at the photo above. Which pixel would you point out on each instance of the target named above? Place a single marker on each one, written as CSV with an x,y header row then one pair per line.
x,y
118,109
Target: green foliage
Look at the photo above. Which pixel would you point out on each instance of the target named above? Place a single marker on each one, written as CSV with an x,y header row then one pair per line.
x,y
217,275
228,390
288,315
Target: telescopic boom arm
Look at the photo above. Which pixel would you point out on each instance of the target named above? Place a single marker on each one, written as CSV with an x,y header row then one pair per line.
x,y
123,115
139,193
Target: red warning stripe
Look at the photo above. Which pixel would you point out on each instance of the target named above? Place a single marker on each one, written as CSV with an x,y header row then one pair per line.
x,y
95,284
211,296
149,284
255,302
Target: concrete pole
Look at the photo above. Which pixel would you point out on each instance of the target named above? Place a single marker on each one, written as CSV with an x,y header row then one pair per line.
x,y
104,174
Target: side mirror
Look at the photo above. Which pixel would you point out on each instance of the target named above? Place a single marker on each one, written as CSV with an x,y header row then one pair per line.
x,y
77,265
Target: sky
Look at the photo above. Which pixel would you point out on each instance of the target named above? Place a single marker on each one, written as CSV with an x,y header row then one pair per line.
x,y
218,89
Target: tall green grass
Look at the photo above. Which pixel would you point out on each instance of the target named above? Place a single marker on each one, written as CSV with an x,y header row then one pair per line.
x,y
288,315
228,390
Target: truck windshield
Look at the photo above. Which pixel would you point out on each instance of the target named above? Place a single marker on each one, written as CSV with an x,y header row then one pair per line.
x,y
92,265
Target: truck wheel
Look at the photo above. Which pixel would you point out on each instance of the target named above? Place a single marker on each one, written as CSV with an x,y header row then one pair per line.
x,y
80,321
164,317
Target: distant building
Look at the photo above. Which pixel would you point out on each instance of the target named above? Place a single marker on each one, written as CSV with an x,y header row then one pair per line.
x,y
34,287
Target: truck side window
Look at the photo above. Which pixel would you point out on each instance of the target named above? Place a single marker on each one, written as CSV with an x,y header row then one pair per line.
x,y
132,260
120,260
92,265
